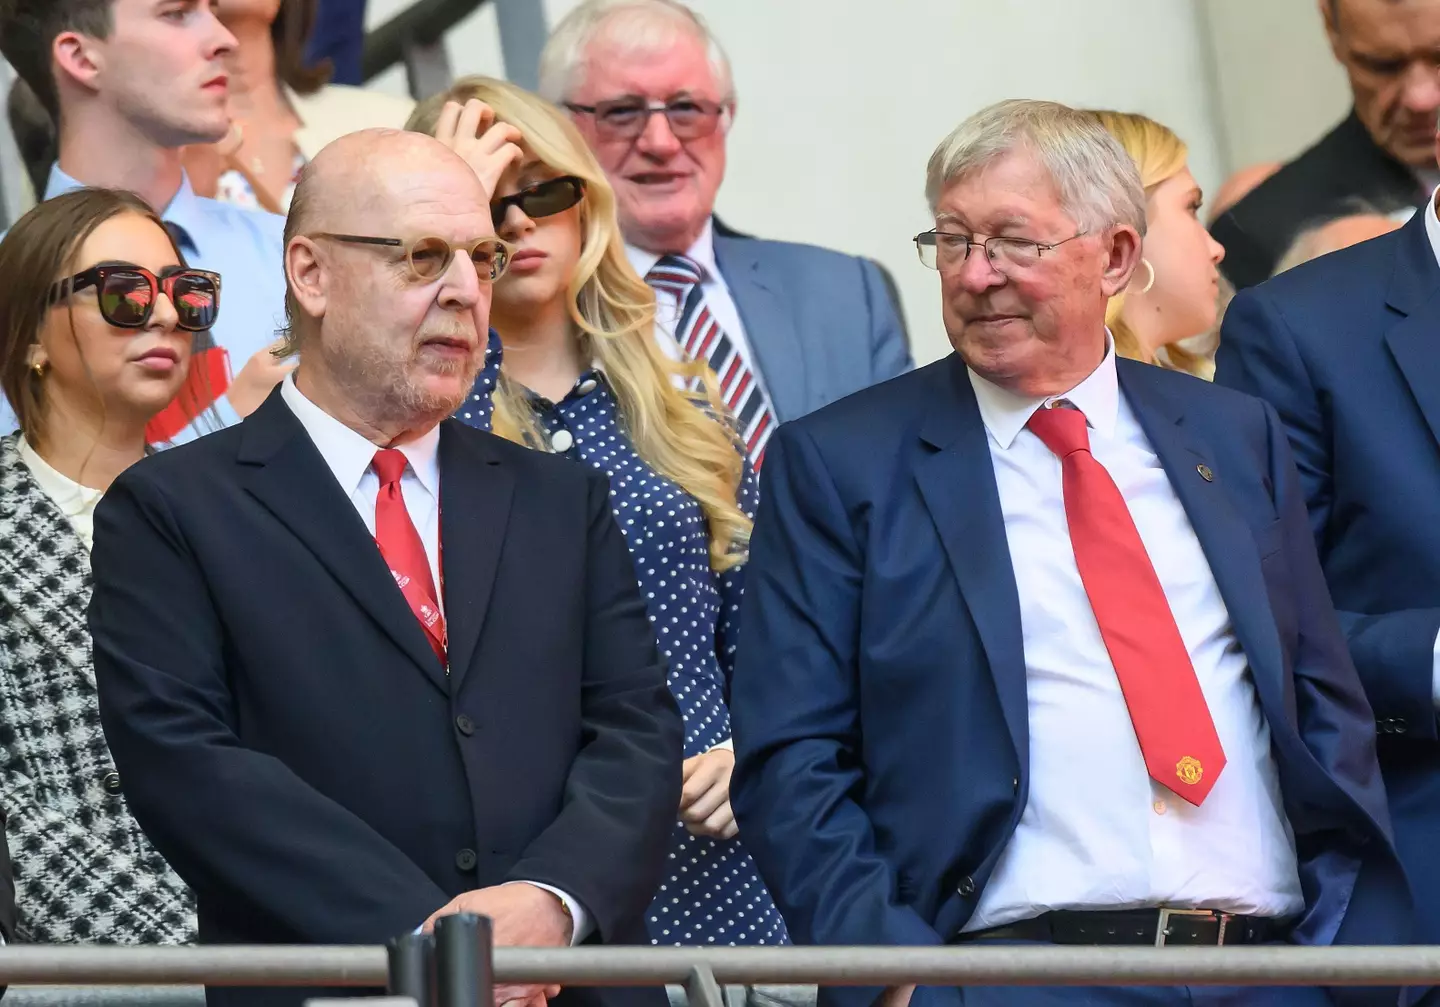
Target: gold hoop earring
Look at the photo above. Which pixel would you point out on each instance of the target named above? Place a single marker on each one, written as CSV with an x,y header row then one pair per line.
x,y
1151,270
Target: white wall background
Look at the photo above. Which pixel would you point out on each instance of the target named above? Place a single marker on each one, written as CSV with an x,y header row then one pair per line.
x,y
841,101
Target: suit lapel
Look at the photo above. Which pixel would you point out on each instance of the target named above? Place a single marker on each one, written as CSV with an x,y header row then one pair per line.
x,y
1414,293
288,475
476,488
769,327
1225,538
957,482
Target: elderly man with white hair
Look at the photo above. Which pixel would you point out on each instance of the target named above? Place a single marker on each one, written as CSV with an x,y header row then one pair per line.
x,y
786,327
1037,647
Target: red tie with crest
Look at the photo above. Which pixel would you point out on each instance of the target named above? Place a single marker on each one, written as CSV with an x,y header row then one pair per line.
x,y
403,551
1172,721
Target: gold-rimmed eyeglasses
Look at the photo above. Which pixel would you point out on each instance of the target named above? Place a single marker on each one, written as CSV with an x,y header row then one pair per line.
x,y
429,257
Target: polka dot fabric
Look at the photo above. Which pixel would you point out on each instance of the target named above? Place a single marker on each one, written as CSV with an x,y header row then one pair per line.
x,y
713,894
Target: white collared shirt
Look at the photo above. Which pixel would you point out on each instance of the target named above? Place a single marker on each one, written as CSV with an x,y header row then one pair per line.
x,y
75,501
349,455
1096,831
717,296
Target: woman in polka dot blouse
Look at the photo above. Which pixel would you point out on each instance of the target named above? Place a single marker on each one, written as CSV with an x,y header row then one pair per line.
x,y
584,376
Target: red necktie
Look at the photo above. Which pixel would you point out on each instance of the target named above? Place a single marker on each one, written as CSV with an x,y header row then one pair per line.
x,y
1172,722
402,550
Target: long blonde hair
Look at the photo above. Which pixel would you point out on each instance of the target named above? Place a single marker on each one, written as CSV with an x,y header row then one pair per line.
x,y
685,438
1159,154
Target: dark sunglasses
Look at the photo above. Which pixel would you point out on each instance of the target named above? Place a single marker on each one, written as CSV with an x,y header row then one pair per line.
x,y
430,257
543,200
126,294
626,118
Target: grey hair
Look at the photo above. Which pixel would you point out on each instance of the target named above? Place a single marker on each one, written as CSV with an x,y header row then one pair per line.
x,y
638,25
1098,182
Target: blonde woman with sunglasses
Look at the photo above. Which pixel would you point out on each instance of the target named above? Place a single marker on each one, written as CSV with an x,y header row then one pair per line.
x,y
583,375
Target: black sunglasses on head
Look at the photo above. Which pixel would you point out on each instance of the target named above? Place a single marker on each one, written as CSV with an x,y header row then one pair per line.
x,y
542,200
126,294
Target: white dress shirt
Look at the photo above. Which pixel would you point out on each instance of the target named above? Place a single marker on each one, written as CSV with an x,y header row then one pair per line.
x,y
717,295
75,501
349,455
1097,832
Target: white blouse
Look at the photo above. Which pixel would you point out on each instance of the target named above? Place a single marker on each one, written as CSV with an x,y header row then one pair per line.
x,y
76,502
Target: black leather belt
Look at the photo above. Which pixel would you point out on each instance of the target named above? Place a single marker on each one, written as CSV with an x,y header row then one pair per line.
x,y
1157,927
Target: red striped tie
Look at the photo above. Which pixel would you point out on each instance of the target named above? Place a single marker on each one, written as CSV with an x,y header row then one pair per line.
x,y
701,338
1172,721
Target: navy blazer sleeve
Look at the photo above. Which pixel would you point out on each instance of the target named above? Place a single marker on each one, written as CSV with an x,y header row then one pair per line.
x,y
607,846
889,349
795,710
1393,651
237,824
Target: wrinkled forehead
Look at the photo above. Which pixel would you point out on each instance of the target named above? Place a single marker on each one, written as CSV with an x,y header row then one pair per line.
x,y
418,203
1411,27
1008,193
658,64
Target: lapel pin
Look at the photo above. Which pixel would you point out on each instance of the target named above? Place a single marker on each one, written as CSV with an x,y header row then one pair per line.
x,y
1205,472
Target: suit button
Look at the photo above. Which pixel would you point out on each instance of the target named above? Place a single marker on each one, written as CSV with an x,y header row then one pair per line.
x,y
1399,727
967,886
111,782
465,860
465,725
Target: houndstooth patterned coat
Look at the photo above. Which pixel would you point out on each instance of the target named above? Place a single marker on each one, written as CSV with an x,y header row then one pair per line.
x,y
83,869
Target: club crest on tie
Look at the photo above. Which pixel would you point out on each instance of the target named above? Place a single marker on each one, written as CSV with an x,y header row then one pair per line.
x,y
400,579
1189,770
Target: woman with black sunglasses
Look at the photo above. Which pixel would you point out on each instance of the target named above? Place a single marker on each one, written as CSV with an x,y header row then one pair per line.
x,y
96,318
583,375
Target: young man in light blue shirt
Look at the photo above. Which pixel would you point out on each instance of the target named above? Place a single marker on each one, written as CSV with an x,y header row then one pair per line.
x,y
130,83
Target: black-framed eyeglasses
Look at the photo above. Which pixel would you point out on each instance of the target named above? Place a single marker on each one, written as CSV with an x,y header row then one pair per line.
x,y
626,118
947,249
429,257
544,199
126,294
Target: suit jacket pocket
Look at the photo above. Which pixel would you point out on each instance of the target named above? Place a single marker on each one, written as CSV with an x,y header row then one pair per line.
x,y
1269,539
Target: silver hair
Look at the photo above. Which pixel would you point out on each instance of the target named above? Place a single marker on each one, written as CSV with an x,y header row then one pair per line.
x,y
1098,183
640,26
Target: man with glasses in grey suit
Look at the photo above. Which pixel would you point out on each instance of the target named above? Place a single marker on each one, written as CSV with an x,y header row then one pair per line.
x,y
786,327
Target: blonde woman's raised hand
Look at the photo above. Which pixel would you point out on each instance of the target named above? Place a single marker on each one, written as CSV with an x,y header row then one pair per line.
x,y
489,147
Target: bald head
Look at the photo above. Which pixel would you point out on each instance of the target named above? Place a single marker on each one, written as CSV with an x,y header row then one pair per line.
x,y
377,175
1333,235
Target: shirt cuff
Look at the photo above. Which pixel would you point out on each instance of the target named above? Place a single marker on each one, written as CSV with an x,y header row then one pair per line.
x,y
580,921
1435,674
729,743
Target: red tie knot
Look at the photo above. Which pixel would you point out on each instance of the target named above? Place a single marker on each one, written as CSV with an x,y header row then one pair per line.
x,y
389,464
1062,428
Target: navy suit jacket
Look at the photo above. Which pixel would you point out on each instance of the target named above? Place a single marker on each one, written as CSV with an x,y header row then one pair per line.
x,y
1347,350
879,701
822,324
287,738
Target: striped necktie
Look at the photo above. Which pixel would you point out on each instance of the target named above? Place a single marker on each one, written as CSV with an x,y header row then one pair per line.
x,y
701,338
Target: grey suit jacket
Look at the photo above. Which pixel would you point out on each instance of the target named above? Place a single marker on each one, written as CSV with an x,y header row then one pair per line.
x,y
821,324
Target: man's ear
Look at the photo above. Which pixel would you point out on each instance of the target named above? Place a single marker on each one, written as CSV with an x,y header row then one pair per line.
x,y
308,276
79,58
1123,258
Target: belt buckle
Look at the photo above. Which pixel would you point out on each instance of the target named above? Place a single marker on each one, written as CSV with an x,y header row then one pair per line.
x,y
1163,927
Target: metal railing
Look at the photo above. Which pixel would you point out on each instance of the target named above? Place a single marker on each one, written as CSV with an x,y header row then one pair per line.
x,y
970,965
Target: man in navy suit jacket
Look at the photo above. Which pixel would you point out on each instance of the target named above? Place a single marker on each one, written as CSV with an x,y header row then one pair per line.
x,y
813,325
935,740
322,756
1347,350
